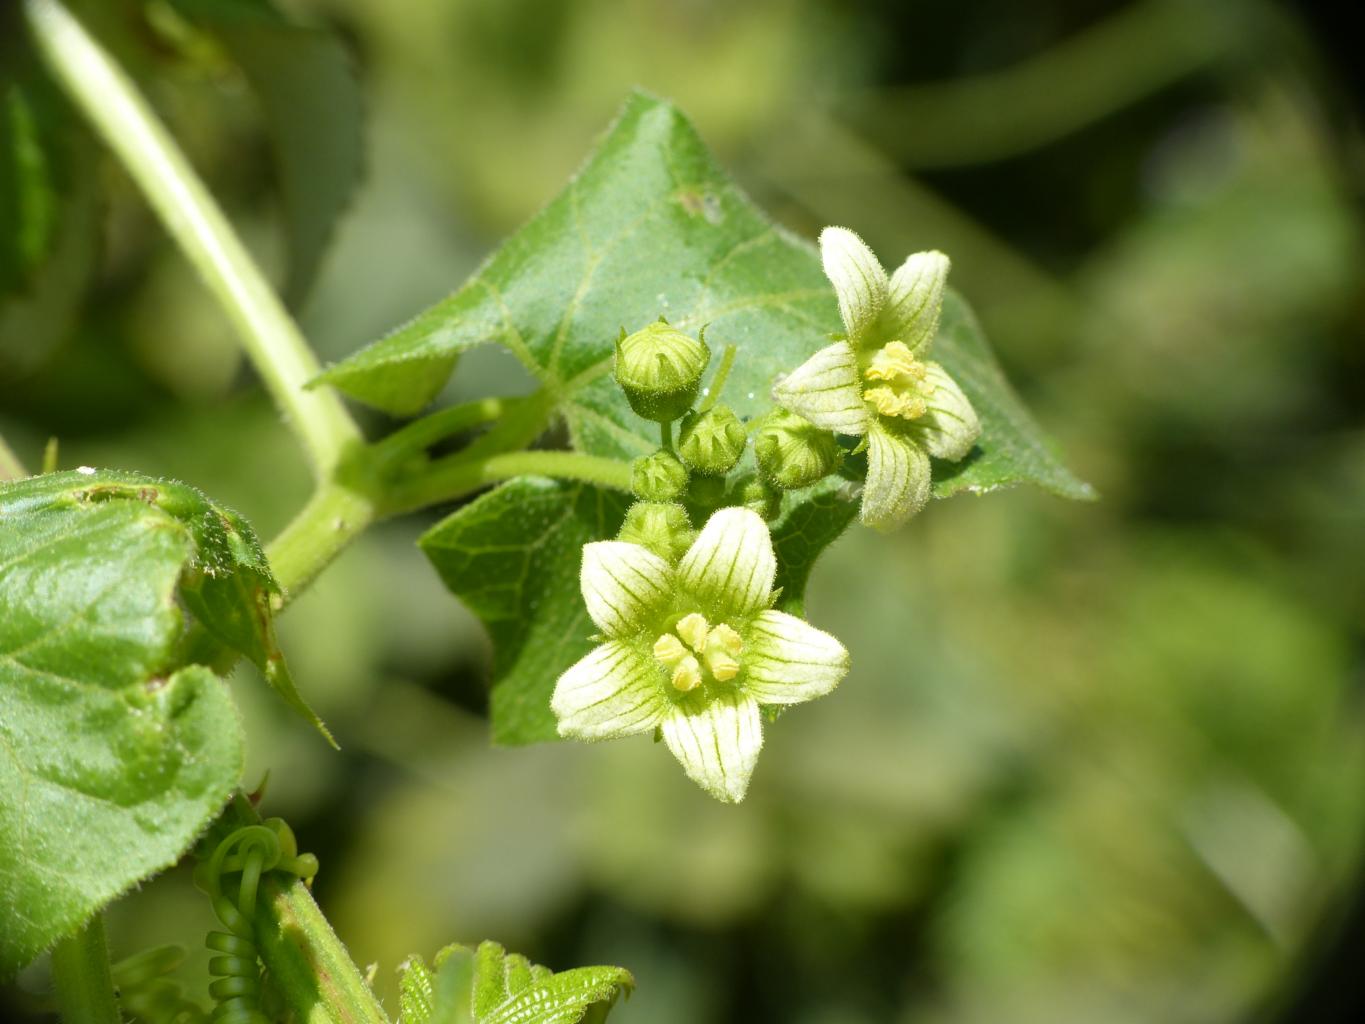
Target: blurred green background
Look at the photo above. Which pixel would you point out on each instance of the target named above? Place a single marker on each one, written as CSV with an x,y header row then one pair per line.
x,y
1094,763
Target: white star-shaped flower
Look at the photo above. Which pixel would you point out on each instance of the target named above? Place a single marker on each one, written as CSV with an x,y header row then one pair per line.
x,y
877,383
694,651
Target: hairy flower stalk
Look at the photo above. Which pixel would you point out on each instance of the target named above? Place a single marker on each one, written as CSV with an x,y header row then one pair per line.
x,y
878,383
693,651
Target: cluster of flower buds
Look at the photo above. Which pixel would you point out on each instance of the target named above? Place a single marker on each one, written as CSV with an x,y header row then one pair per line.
x,y
660,369
692,645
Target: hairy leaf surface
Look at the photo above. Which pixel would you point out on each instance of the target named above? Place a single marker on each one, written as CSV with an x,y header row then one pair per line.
x,y
488,985
113,753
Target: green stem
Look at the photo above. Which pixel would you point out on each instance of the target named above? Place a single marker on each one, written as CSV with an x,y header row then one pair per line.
x,y
80,970
666,436
457,475
272,341
11,468
309,966
422,434
333,517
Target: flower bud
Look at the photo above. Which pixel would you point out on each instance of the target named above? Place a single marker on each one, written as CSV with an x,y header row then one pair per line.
x,y
659,368
712,442
792,452
658,477
660,526
756,493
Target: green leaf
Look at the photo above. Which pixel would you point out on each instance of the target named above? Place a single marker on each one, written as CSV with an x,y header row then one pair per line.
x,y
227,586
114,754
416,991
1013,449
651,226
513,556
311,103
506,988
810,521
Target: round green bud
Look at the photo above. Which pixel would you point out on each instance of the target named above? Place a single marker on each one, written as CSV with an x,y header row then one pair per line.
x,y
792,452
756,493
658,477
661,526
712,442
659,368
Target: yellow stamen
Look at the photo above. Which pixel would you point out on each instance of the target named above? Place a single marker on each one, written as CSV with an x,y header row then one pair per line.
x,y
693,628
907,384
892,361
669,650
719,648
687,676
723,647
889,402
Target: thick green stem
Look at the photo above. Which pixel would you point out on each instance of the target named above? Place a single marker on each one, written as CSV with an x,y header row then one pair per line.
x,y
456,476
309,967
333,517
80,971
308,963
123,118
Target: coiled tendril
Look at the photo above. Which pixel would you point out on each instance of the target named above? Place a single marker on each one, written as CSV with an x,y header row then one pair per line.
x,y
250,852
145,993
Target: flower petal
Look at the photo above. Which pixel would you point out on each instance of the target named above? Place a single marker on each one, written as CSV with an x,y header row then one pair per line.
x,y
950,428
824,390
915,299
615,690
897,478
717,744
790,661
859,280
730,566
623,585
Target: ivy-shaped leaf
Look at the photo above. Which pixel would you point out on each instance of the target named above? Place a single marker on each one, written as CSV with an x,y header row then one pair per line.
x,y
488,985
114,752
651,226
512,556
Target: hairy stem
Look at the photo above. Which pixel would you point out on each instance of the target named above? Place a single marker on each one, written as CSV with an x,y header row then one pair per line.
x,y
119,113
423,433
80,971
456,476
333,517
309,966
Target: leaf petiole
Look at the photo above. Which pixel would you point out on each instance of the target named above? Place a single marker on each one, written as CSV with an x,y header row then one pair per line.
x,y
84,983
459,475
440,425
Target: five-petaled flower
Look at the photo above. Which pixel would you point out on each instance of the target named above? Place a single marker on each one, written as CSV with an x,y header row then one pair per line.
x,y
877,383
693,651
